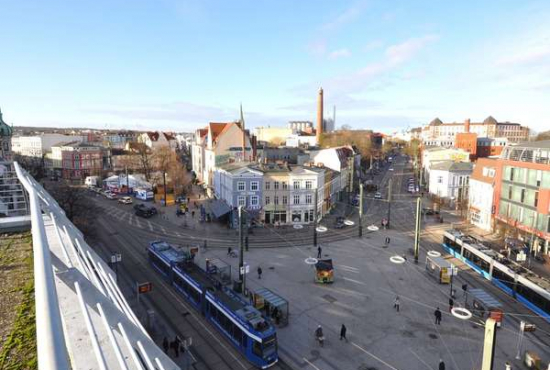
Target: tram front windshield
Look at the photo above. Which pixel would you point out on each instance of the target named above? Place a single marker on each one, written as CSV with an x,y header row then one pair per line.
x,y
269,345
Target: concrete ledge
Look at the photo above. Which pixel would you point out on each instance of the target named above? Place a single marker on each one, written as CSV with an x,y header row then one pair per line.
x,y
15,224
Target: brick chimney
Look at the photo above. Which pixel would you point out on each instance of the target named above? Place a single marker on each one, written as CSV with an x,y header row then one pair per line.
x,y
467,126
319,116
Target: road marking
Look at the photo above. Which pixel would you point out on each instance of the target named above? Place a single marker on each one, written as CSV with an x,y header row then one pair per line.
x,y
138,224
373,356
415,355
349,268
313,366
150,225
163,230
354,281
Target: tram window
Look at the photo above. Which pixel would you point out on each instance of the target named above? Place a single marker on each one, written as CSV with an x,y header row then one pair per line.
x,y
257,348
484,265
503,278
194,294
237,334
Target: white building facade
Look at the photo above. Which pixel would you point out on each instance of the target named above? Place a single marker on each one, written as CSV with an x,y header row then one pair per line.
x,y
449,180
37,146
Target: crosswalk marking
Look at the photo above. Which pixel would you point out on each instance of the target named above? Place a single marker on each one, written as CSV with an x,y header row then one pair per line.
x,y
150,225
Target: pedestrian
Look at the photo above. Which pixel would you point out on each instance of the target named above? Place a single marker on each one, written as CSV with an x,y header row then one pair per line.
x,y
193,214
259,272
451,304
343,331
441,365
319,251
319,335
165,344
396,303
199,195
229,250
177,343
437,314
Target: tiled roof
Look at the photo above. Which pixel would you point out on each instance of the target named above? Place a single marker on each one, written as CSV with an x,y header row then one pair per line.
x,y
452,166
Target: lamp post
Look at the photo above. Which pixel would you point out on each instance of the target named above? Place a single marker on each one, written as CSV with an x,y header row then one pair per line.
x,y
241,250
360,209
315,218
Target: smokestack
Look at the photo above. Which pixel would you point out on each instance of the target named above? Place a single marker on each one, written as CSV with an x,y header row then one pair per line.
x,y
244,134
467,126
319,116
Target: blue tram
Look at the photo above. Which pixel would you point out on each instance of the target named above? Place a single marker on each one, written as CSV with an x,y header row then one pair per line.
x,y
531,290
234,317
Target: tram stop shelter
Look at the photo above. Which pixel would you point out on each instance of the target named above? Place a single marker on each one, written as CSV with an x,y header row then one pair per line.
x,y
484,305
272,305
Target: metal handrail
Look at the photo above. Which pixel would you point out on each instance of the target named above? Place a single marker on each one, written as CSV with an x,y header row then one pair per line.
x,y
50,338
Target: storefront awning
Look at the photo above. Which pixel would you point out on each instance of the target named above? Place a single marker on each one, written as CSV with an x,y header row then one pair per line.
x,y
219,208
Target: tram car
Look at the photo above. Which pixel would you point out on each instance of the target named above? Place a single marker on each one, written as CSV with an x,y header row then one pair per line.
x,y
528,288
242,324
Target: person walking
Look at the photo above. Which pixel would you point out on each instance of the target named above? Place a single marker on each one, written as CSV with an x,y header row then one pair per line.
x,y
319,251
343,331
229,250
319,335
441,365
259,272
437,314
396,303
451,304
165,344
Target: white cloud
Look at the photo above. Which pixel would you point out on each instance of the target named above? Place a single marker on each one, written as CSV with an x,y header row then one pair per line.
x,y
347,16
340,53
397,54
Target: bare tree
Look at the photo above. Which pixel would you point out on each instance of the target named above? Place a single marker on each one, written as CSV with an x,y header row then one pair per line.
x,y
144,159
79,209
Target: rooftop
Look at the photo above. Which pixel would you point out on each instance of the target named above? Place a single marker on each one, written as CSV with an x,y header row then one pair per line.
x,y
452,166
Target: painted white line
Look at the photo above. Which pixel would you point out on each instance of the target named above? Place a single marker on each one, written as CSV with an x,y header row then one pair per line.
x,y
418,357
373,356
150,225
313,366
136,219
163,230
354,281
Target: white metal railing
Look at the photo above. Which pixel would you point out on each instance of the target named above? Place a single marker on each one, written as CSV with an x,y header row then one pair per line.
x,y
50,341
91,286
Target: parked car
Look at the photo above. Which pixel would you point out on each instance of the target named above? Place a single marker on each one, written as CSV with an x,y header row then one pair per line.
x,y
125,200
145,211
377,195
110,195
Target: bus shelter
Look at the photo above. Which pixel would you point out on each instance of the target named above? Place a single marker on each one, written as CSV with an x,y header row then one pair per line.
x,y
484,305
272,305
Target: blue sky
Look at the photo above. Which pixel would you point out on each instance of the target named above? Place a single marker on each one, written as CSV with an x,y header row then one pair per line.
x,y
177,65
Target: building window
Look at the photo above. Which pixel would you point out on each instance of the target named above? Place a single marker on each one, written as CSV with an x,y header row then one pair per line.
x,y
276,185
308,184
308,198
511,174
296,185
522,198
267,201
254,200
536,199
285,199
285,185
254,186
241,201
440,179
276,199
267,185
296,199
240,186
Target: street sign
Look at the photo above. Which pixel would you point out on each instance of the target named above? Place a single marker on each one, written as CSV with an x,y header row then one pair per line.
x,y
117,257
245,269
145,287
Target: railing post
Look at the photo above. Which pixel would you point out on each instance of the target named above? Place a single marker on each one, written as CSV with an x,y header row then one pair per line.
x,y
50,339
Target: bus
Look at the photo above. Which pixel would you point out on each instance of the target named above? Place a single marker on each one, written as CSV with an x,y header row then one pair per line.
x,y
234,317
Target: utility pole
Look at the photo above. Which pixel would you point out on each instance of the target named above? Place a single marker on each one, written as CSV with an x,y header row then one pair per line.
x,y
360,210
164,177
127,180
315,218
489,344
417,228
241,250
351,178
389,201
